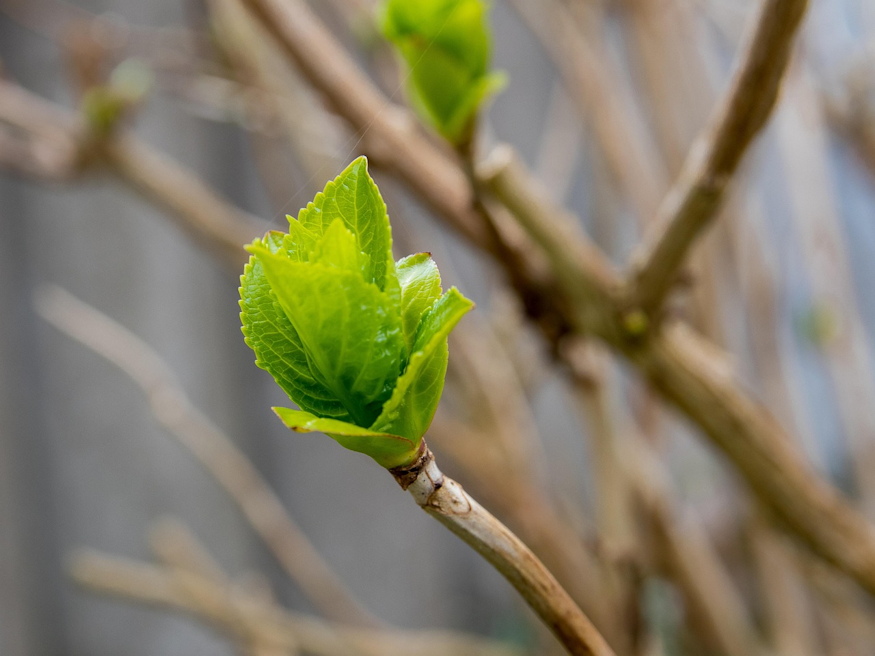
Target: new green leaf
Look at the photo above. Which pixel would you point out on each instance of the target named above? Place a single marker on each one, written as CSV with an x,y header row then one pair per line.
x,y
354,199
356,354
357,341
410,410
387,449
277,347
420,283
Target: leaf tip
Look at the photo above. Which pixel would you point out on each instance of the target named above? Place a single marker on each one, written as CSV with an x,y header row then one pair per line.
x,y
260,245
358,166
282,414
454,291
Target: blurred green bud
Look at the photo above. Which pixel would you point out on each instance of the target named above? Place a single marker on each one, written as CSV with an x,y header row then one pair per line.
x,y
446,45
104,106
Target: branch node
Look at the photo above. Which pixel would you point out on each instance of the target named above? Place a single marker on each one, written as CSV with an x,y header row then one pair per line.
x,y
407,474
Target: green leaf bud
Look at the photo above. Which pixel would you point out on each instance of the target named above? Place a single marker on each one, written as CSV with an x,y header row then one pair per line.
x,y
357,340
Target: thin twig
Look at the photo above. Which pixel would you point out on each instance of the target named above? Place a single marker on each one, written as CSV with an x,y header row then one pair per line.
x,y
213,449
61,146
445,500
277,95
590,76
692,203
30,113
188,562
530,514
501,451
159,586
638,478
841,603
814,203
174,544
787,615
40,141
36,158
680,92
619,533
709,592
573,256
188,201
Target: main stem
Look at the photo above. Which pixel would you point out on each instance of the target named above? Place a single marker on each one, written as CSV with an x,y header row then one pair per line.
x,y
445,500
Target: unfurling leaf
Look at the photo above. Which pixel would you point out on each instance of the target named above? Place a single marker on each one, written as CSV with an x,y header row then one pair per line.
x,y
357,341
446,46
